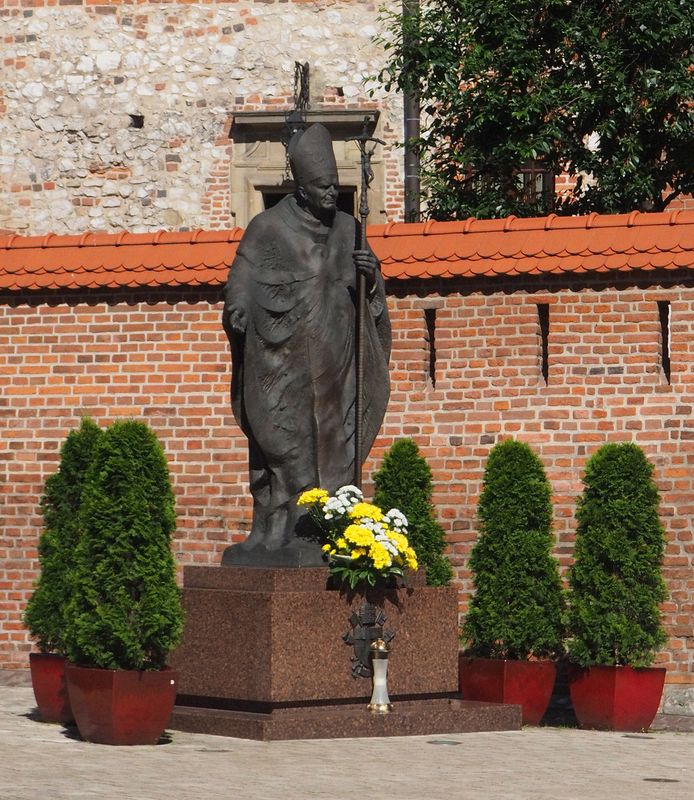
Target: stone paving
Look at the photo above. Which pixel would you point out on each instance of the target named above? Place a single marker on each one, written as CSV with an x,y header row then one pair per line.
x,y
37,760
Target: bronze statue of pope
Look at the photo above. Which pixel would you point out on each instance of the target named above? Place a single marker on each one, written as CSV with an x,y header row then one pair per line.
x,y
289,314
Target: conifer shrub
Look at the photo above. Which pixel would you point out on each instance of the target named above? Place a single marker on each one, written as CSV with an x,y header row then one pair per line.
x,y
615,583
516,610
44,615
126,611
404,481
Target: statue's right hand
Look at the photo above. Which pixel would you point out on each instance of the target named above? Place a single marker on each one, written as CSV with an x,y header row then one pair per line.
x,y
238,320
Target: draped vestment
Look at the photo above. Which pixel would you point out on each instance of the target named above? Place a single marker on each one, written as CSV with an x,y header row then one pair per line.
x,y
293,382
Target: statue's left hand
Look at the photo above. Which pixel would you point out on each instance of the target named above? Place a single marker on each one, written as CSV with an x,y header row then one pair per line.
x,y
367,265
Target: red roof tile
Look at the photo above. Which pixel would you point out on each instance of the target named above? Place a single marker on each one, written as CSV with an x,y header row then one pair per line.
x,y
537,246
471,248
101,260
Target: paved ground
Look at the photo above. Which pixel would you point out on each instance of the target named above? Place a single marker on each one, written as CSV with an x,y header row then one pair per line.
x,y
39,760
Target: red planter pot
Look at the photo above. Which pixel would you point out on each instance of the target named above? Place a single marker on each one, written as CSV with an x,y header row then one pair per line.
x,y
50,689
616,698
119,706
525,683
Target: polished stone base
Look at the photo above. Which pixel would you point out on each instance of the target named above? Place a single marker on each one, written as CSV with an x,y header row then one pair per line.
x,y
268,653
408,718
276,636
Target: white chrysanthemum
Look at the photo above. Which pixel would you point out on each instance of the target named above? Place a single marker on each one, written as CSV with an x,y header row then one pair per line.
x,y
389,546
380,534
349,496
396,519
349,489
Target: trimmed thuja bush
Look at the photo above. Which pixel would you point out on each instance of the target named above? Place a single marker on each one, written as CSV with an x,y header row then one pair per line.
x,y
615,583
60,503
126,611
404,482
516,610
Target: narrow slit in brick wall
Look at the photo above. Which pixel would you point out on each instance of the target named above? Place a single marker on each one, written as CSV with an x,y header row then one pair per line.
x,y
430,320
543,319
664,314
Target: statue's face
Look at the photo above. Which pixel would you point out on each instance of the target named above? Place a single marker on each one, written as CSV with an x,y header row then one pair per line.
x,y
320,195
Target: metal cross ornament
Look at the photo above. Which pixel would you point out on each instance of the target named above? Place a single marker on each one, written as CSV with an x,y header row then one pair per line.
x,y
295,120
367,147
367,626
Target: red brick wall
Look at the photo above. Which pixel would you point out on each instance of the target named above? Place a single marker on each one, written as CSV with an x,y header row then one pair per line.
x,y
164,358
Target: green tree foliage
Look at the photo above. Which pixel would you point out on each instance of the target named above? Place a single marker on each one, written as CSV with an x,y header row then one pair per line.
x,y
404,482
126,611
60,503
615,584
634,63
505,81
516,610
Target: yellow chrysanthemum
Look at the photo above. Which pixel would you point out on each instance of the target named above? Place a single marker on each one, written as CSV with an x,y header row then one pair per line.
x,y
411,558
379,555
358,552
398,539
358,535
341,543
367,510
313,496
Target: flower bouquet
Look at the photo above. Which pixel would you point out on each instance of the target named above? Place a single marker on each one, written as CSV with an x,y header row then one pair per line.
x,y
362,543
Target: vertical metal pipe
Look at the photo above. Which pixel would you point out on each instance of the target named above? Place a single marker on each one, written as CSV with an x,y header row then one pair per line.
x,y
411,112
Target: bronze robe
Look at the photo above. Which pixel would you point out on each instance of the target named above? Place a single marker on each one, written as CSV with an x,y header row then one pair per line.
x,y
293,382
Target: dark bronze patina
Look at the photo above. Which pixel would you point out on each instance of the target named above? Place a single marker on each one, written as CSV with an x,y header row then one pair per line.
x,y
367,626
290,313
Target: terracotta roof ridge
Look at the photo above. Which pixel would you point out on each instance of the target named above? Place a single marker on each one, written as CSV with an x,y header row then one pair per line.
x,y
15,241
471,225
551,222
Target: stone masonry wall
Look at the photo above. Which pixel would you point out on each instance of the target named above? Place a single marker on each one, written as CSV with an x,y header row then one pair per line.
x,y
116,115
164,358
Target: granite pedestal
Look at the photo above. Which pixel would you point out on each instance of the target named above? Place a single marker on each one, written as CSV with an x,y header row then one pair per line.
x,y
263,657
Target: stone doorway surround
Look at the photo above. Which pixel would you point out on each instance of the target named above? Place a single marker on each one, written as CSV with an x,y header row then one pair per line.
x,y
258,162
